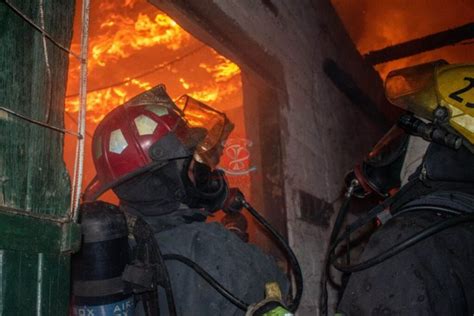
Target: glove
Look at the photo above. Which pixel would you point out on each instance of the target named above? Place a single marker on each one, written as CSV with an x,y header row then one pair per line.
x,y
234,201
271,305
236,223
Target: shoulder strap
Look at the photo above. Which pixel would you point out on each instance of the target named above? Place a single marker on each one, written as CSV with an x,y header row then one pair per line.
x,y
456,200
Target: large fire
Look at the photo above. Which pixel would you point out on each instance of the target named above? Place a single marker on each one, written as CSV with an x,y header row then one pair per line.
x,y
374,24
133,47
129,35
119,35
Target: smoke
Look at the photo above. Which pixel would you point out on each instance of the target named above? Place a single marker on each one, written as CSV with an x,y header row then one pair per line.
x,y
352,14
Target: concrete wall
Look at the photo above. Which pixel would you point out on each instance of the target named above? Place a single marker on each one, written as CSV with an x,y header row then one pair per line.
x,y
322,134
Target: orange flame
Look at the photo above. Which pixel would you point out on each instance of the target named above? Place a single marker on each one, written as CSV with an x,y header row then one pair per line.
x,y
215,93
374,25
118,35
185,84
223,71
130,35
134,47
99,103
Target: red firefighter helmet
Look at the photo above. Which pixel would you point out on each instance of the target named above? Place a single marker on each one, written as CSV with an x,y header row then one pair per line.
x,y
145,133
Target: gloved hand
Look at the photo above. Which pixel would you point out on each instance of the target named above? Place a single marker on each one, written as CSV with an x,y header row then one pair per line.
x,y
236,223
234,201
271,305
268,308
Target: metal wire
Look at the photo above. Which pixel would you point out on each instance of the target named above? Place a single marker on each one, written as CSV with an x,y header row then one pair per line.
x,y
81,121
143,74
74,120
33,121
46,61
79,159
40,29
45,36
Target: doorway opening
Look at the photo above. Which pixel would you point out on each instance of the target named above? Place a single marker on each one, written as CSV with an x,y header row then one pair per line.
x,y
133,47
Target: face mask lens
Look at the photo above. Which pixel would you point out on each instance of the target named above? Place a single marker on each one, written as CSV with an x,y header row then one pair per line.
x,y
215,124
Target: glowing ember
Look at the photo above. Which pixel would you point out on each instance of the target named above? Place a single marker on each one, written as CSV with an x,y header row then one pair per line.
x,y
223,71
184,83
207,95
215,93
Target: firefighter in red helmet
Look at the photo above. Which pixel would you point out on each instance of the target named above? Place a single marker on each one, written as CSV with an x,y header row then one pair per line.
x,y
160,159
149,132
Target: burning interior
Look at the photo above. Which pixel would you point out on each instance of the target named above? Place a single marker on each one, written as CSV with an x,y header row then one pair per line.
x,y
133,47
375,25
303,83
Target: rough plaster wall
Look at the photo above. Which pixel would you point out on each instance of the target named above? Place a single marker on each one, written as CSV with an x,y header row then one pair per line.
x,y
323,133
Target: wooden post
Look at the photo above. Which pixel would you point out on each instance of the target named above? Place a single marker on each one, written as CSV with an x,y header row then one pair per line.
x,y
36,241
420,45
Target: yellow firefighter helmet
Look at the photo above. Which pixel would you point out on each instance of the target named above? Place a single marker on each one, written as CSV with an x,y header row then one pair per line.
x,y
423,88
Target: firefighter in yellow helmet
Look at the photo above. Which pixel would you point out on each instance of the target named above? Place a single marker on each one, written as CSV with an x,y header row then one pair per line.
x,y
420,259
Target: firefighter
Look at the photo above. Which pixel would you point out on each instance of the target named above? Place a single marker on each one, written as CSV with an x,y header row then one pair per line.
x,y
420,260
160,160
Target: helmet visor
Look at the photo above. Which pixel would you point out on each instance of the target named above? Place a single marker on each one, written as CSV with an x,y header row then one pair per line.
x,y
200,116
413,88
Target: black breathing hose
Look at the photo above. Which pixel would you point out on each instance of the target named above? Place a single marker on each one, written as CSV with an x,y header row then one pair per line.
x,y
432,208
293,306
365,220
340,218
144,234
226,293
326,273
394,250
209,279
329,259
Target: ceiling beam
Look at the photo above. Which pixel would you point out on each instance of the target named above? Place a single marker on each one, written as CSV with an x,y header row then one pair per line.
x,y
420,45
